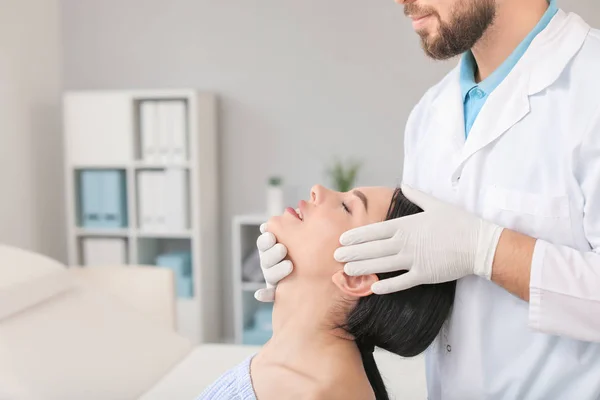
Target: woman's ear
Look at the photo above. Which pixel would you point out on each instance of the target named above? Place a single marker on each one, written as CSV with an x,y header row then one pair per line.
x,y
357,286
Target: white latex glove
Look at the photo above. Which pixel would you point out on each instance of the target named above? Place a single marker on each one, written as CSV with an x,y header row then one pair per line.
x,y
441,244
272,263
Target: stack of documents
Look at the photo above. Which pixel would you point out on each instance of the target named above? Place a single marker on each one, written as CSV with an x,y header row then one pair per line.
x,y
163,131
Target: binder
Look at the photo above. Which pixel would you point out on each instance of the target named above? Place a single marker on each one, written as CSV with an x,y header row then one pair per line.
x,y
104,251
151,200
164,131
90,198
158,201
149,131
114,204
144,200
176,199
178,132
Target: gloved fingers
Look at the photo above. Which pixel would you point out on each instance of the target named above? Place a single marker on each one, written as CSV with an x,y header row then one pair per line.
x,y
366,251
266,295
263,227
277,272
265,241
423,200
378,265
369,233
273,256
397,283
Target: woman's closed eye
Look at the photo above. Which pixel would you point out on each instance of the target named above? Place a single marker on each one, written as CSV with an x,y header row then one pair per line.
x,y
346,209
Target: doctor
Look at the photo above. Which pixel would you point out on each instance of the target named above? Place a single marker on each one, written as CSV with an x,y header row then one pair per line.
x,y
504,157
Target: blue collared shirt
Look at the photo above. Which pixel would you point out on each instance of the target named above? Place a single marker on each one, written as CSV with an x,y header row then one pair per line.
x,y
475,94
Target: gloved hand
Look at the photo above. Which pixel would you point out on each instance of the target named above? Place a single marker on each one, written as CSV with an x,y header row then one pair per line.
x,y
441,244
272,263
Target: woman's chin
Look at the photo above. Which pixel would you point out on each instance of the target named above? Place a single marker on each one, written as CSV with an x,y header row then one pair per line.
x,y
280,224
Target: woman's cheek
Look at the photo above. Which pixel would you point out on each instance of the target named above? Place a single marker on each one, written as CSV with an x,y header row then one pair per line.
x,y
325,232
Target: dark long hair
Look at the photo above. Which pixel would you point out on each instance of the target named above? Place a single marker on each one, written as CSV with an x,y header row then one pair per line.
x,y
405,322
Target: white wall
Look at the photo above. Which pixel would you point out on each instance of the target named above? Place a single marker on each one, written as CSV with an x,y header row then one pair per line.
x,y
299,81
31,209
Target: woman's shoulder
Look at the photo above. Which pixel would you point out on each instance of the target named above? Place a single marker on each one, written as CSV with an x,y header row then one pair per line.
x,y
233,384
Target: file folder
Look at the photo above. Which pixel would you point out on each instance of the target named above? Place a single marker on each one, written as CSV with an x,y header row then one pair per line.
x,y
90,198
114,204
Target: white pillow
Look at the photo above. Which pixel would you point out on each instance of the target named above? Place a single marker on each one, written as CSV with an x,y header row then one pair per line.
x,y
27,279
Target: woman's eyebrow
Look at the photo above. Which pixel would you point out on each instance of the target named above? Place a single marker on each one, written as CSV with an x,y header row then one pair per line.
x,y
362,197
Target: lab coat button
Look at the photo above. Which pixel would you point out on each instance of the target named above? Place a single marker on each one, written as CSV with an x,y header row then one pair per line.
x,y
449,349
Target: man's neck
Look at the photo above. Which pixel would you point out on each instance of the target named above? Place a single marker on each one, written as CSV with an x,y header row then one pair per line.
x,y
514,21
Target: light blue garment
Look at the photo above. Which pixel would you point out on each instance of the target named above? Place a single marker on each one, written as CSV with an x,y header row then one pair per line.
x,y
475,95
234,384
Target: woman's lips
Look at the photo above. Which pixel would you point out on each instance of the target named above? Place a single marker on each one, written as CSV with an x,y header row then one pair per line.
x,y
293,212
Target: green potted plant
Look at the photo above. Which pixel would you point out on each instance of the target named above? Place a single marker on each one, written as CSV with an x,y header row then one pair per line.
x,y
343,175
275,196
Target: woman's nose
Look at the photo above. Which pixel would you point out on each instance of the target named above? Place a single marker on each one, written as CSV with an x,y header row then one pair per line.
x,y
317,193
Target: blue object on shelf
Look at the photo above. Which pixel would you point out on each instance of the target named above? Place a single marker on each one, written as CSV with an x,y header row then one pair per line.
x,y
185,287
89,197
256,337
114,203
181,265
263,318
102,195
260,329
179,262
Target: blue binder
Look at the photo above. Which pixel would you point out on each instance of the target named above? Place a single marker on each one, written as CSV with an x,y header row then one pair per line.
x,y
90,198
103,199
114,203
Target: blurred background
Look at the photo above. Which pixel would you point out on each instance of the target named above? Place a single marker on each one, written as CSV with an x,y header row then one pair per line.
x,y
163,133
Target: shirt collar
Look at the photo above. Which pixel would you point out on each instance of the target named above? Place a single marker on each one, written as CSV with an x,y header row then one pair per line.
x,y
468,64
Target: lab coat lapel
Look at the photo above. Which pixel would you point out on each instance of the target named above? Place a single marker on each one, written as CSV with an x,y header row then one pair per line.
x,y
506,106
541,65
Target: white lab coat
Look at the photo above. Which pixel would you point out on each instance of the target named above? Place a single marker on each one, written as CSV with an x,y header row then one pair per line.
x,y
531,163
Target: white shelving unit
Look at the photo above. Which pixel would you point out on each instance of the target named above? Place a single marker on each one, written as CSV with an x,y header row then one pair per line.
x,y
102,131
245,232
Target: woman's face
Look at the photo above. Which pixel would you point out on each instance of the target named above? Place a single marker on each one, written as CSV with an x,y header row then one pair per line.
x,y
313,236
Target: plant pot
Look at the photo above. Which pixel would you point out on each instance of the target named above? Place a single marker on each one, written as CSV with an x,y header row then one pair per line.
x,y
274,200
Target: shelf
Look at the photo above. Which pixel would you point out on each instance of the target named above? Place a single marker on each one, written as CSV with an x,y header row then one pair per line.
x,y
165,235
103,130
253,286
158,165
100,166
99,232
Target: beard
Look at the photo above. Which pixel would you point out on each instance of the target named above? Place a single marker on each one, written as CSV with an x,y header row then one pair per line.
x,y
469,20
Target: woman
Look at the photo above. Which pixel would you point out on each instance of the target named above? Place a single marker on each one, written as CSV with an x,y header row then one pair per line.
x,y
322,344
